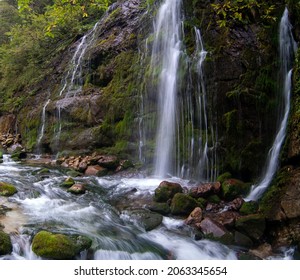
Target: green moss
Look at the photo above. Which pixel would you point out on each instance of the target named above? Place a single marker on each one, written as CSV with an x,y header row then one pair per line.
x,y
249,207
166,191
221,178
232,188
58,246
214,199
69,182
183,204
7,189
5,244
202,202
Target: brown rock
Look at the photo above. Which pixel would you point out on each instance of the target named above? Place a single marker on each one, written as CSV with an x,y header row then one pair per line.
x,y
209,226
77,189
226,219
95,170
205,190
263,251
195,217
109,162
236,204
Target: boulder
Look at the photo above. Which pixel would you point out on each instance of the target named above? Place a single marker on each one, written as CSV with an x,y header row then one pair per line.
x,y
109,162
183,204
5,244
77,189
251,225
195,218
166,191
59,246
146,218
225,218
211,227
232,188
160,207
242,240
235,204
263,251
204,190
7,189
95,170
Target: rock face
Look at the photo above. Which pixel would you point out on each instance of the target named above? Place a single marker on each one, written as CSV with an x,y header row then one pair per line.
x,y
59,246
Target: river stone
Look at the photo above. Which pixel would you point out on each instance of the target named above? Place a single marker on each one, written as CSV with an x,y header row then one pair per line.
x,y
232,188
205,190
195,218
146,218
77,189
95,170
7,189
263,251
5,243
69,182
242,240
166,191
209,226
109,162
160,207
183,204
59,246
252,225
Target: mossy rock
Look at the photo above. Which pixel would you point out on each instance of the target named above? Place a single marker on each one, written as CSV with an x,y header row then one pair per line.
x,y
225,176
214,199
232,188
41,171
59,246
242,240
249,207
1,154
7,189
202,202
69,182
160,207
183,204
252,225
166,191
5,243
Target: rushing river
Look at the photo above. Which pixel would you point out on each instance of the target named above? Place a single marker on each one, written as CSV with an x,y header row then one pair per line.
x,y
41,203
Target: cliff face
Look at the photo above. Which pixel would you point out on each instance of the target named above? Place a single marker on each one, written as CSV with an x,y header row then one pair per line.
x,y
240,74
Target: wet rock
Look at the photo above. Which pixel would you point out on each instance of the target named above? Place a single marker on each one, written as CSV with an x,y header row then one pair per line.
x,y
160,207
211,227
5,244
77,189
225,218
236,204
183,204
204,190
82,166
242,240
109,162
223,177
166,191
95,170
69,182
59,246
251,225
146,218
124,164
7,189
249,207
263,251
195,218
232,188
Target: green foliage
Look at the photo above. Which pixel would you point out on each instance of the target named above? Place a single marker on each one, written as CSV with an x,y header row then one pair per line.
x,y
243,12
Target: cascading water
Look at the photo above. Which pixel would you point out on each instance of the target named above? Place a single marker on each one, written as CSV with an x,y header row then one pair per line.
x,y
185,141
73,80
287,51
167,44
42,130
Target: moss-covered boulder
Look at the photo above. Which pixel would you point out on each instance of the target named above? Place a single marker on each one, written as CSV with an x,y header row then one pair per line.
x,y
249,207
69,182
166,191
223,177
252,225
160,207
232,188
5,244
7,189
59,246
183,204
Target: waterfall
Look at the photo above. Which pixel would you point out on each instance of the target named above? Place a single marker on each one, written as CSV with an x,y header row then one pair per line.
x,y
167,43
73,80
42,130
176,103
287,47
